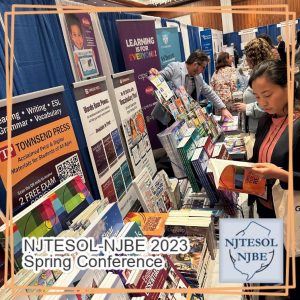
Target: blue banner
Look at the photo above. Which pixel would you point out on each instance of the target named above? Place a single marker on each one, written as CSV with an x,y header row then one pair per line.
x,y
168,45
207,47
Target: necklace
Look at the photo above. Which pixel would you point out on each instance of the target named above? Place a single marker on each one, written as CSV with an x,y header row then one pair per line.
x,y
274,137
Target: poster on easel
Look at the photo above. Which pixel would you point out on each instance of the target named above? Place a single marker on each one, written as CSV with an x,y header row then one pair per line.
x,y
133,123
44,148
79,34
104,143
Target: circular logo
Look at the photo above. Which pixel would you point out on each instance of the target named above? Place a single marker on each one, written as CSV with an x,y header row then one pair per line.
x,y
149,90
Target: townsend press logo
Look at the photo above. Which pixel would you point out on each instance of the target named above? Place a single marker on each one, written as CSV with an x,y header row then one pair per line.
x,y
251,251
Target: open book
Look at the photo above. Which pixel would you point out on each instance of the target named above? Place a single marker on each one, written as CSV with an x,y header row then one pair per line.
x,y
236,176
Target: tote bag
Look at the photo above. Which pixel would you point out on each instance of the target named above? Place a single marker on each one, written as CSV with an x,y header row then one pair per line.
x,y
280,200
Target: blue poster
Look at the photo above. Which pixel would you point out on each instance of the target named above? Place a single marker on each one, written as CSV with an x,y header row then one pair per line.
x,y
207,47
168,45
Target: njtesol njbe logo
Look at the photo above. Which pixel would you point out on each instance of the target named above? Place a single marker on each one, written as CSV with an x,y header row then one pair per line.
x,y
251,250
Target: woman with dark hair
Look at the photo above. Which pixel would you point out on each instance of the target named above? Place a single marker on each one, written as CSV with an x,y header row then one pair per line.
x,y
271,149
275,52
223,81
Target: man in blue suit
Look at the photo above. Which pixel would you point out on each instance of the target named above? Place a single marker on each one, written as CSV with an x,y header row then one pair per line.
x,y
189,75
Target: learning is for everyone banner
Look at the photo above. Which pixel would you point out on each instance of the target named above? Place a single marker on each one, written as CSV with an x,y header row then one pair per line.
x,y
140,52
81,42
44,149
104,142
168,45
133,123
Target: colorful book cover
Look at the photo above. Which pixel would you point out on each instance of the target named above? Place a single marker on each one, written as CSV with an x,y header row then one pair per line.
x,y
151,224
173,109
100,158
231,124
51,214
117,142
126,174
109,150
119,183
109,190
180,106
108,223
237,177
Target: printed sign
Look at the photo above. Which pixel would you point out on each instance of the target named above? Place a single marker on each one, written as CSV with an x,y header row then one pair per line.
x,y
168,45
104,143
140,52
44,149
133,123
251,250
81,41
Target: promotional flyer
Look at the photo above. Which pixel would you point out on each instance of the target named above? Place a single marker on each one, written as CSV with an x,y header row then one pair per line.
x,y
140,53
44,149
104,142
133,123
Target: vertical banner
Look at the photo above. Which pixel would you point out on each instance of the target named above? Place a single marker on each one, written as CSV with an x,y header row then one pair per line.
x,y
133,123
140,52
104,142
207,47
81,44
168,45
44,149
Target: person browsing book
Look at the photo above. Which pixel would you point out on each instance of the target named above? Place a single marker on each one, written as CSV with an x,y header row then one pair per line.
x,y
189,75
271,149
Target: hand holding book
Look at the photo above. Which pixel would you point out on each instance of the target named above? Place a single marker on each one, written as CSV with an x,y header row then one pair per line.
x,y
268,170
237,176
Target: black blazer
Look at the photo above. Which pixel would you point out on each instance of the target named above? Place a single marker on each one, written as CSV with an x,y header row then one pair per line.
x,y
281,51
280,155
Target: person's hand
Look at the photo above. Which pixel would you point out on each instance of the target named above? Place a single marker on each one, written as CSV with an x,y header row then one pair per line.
x,y
240,107
153,71
226,114
268,170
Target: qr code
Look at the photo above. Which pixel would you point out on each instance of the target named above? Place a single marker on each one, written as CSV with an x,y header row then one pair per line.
x,y
69,167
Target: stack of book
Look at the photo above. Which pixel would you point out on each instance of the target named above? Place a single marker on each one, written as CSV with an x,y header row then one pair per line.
x,y
235,144
84,219
186,150
198,227
167,278
195,200
170,138
112,281
154,194
199,161
228,198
